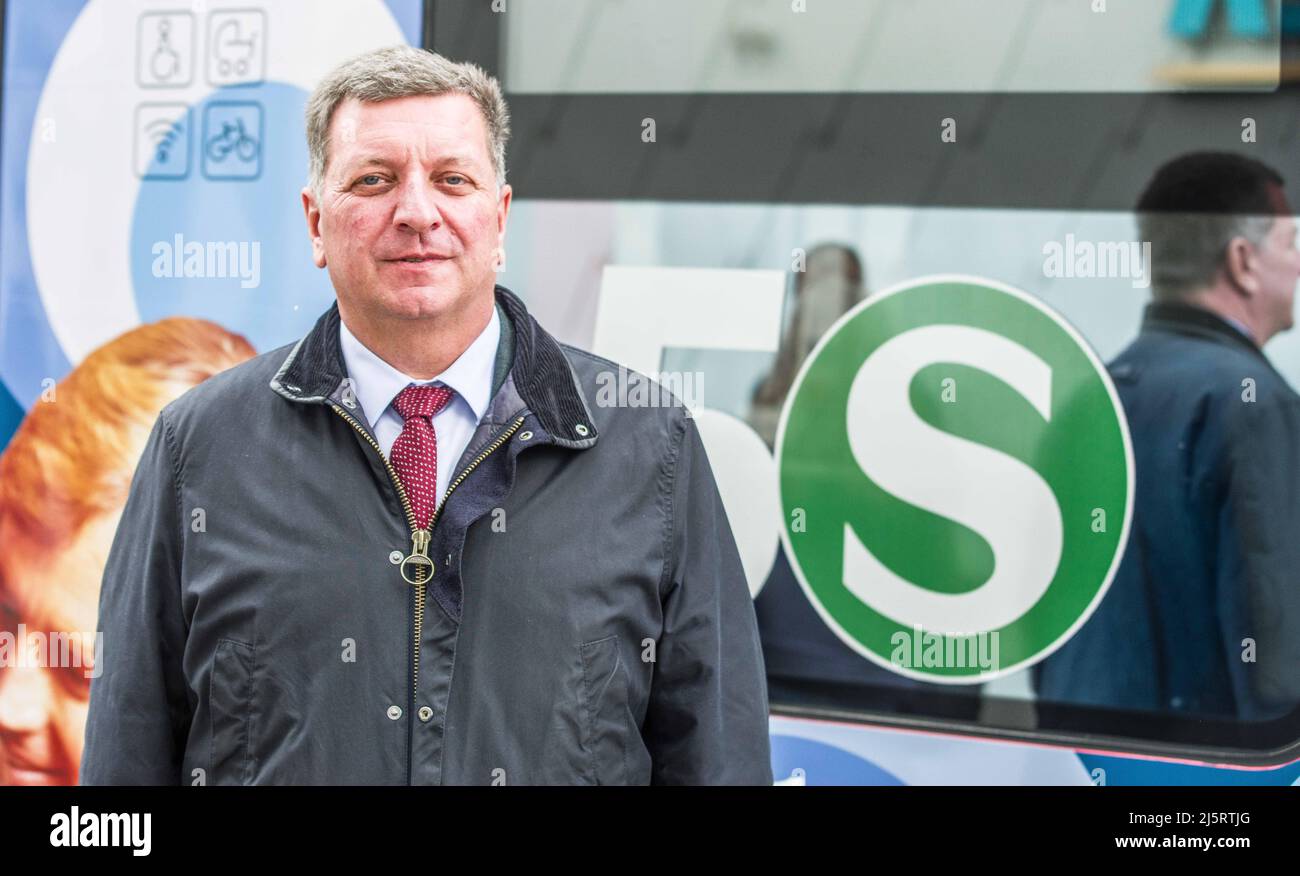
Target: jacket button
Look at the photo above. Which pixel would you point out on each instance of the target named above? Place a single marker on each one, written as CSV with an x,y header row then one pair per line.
x,y
395,557
394,712
525,435
425,714
580,429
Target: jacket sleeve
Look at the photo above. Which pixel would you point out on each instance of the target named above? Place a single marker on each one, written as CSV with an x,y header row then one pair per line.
x,y
1258,556
707,720
139,714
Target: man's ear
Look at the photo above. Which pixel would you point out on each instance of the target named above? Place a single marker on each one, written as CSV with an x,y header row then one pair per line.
x,y
312,212
1239,264
503,210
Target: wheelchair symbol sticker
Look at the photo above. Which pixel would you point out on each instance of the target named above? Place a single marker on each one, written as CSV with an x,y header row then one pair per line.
x,y
164,50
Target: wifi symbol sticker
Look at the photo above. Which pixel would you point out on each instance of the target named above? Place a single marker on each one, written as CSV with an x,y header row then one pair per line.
x,y
162,141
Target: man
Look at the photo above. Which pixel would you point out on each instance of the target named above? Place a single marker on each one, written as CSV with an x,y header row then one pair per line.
x,y
1203,616
409,548
830,285
63,482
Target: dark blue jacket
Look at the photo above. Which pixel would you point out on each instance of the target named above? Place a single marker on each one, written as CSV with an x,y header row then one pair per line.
x,y
586,618
1203,615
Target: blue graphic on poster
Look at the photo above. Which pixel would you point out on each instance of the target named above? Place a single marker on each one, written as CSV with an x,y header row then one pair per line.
x,y
204,149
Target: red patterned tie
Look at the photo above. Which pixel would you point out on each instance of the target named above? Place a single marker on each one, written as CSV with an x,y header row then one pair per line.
x,y
415,452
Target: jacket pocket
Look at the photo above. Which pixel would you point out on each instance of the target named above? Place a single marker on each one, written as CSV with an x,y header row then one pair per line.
x,y
609,732
230,706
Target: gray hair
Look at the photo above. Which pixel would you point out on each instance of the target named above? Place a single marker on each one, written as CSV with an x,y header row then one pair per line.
x,y
1188,249
403,71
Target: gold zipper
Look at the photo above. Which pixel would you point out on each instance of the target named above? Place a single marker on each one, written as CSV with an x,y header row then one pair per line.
x,y
420,538
392,472
501,439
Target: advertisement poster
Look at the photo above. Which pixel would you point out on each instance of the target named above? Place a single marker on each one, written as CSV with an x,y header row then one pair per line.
x,y
153,235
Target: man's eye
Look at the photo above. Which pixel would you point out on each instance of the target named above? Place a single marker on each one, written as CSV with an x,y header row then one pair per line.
x,y
454,176
371,179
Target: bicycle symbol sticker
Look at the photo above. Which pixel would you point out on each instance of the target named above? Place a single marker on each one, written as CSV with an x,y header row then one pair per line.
x,y
232,140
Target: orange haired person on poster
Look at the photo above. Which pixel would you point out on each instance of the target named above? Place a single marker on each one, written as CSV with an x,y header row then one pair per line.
x,y
64,479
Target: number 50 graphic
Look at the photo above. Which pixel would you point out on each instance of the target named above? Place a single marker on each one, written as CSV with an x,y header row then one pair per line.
x,y
644,311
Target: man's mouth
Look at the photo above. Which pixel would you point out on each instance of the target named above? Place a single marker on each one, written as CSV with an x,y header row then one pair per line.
x,y
36,777
24,769
415,260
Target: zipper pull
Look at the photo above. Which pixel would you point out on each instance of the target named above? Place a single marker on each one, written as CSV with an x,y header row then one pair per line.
x,y
419,557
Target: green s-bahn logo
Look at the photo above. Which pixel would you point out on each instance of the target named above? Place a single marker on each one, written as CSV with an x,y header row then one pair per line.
x,y
956,479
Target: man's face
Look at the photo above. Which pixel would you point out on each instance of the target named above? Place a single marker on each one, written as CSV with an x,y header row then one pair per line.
x,y
409,221
1278,270
827,288
44,701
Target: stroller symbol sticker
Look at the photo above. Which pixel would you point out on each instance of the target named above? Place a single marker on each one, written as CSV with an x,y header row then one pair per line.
x,y
237,47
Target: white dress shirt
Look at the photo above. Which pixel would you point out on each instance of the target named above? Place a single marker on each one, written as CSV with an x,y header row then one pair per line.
x,y
376,384
1239,326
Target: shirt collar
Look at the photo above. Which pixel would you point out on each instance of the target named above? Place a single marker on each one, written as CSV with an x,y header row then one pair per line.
x,y
1239,326
376,383
312,372
1185,318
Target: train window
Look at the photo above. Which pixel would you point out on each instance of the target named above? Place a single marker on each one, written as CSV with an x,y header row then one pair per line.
x,y
769,46
987,472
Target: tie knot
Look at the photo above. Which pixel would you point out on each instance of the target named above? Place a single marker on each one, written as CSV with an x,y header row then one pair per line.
x,y
422,401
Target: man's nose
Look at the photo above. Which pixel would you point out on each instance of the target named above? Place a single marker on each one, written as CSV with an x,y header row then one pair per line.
x,y
417,208
25,700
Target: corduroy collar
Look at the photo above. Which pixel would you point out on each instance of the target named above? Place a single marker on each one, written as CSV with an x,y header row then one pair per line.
x,y
1188,319
314,372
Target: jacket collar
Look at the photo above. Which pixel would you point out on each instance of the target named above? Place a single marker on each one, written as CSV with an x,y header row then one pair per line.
x,y
1187,319
314,371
